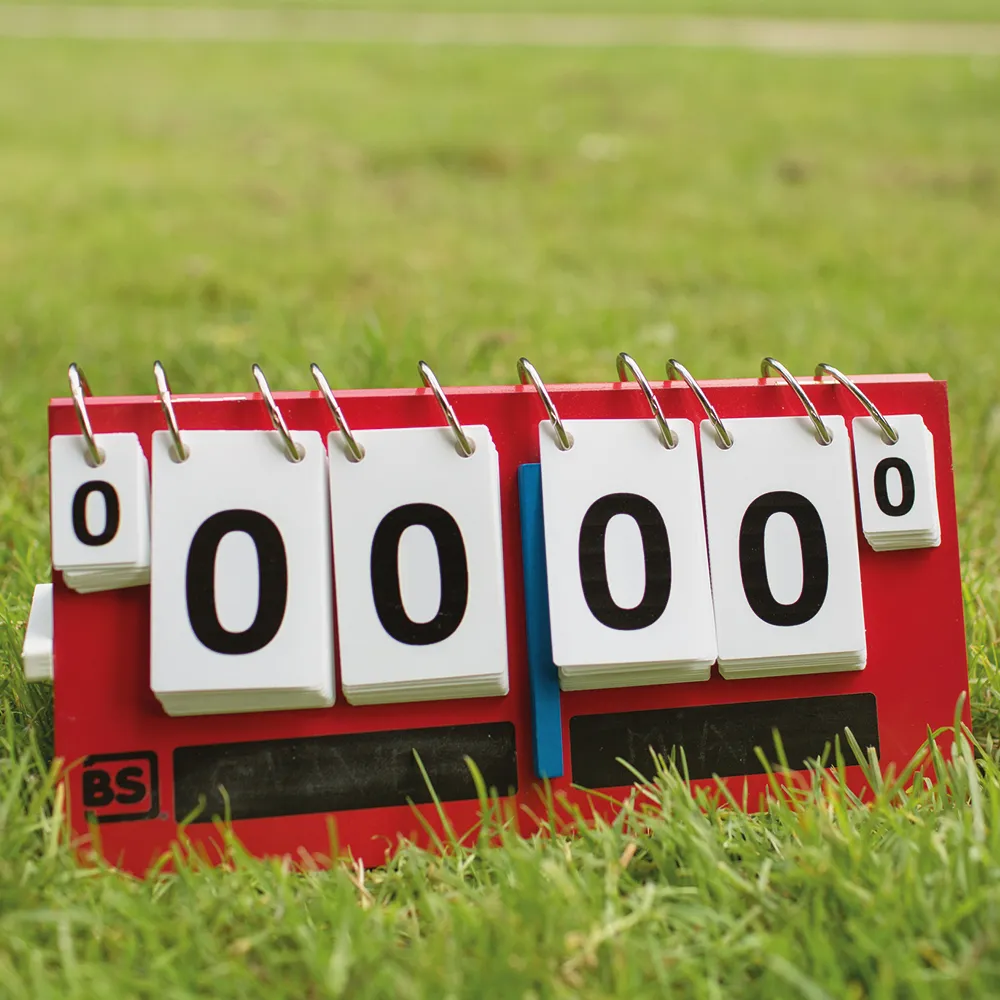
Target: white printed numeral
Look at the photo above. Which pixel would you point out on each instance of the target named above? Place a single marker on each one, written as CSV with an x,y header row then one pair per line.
x,y
629,593
783,544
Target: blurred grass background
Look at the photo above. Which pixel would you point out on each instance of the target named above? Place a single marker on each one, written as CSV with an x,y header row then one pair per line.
x,y
911,10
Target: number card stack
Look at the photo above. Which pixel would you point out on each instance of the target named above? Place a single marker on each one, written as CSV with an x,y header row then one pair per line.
x,y
900,511
783,543
639,609
242,616
100,513
352,599
427,628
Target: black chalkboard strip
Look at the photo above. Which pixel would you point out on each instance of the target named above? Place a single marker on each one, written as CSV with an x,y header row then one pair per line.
x,y
717,739
319,774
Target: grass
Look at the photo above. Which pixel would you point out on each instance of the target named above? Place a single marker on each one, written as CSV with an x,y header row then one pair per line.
x,y
818,898
906,10
216,205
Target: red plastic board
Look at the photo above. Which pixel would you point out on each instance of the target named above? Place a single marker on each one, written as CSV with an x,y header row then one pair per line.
x,y
106,715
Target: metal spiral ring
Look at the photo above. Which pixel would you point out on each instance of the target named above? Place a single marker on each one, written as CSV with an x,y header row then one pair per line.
x,y
80,388
181,452
466,446
725,439
889,433
626,363
294,452
355,450
823,433
527,373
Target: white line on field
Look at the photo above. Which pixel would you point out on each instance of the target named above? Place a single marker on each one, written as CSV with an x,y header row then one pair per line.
x,y
561,30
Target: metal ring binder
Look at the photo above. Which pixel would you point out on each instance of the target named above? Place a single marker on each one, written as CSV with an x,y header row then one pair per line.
x,y
466,446
823,433
527,372
79,388
626,363
295,452
181,452
889,433
725,439
355,450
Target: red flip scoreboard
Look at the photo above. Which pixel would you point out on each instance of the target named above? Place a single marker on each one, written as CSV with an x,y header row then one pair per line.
x,y
294,778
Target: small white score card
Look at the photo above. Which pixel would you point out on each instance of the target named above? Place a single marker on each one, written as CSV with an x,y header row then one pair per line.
x,y
100,513
897,484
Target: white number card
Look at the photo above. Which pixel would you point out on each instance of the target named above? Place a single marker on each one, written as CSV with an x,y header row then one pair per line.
x,y
242,604
783,544
100,514
897,485
629,594
418,558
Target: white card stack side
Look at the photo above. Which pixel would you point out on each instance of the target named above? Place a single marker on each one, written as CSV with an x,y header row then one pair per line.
x,y
633,675
36,653
630,599
241,601
783,542
100,514
418,553
897,484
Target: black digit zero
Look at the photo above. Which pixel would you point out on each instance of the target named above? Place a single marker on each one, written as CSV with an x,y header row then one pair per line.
x,y
655,557
112,512
815,559
909,493
272,592
453,567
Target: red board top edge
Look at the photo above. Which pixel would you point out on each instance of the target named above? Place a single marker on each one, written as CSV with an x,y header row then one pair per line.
x,y
462,390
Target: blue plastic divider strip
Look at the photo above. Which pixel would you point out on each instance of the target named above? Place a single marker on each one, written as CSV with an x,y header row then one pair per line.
x,y
546,712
